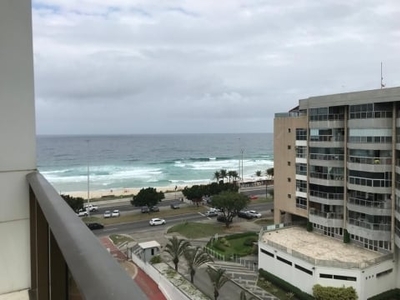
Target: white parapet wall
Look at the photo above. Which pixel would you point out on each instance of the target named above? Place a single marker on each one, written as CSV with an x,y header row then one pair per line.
x,y
172,284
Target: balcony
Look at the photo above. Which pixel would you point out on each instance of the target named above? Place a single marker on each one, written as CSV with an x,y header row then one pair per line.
x,y
378,208
327,198
328,219
326,179
67,260
369,230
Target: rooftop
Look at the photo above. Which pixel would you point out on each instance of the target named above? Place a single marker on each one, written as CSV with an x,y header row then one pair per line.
x,y
319,247
151,244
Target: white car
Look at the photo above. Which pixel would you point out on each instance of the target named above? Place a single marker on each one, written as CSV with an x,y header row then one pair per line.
x,y
157,221
82,213
107,214
115,213
254,213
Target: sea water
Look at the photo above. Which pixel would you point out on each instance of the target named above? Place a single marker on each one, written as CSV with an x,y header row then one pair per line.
x,y
136,161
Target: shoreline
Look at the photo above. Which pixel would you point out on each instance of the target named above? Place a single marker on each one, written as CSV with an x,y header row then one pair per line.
x,y
127,192
118,193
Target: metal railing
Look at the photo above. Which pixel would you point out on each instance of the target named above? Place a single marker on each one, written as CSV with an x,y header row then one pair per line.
x,y
369,225
325,195
63,246
368,203
327,215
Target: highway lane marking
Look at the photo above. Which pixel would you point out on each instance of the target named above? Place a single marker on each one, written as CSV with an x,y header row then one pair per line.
x,y
110,229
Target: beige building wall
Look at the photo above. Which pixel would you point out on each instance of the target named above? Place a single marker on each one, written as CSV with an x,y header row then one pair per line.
x,y
17,140
285,167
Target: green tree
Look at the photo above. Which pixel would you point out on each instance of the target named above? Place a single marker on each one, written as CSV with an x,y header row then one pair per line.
x,y
258,173
217,176
230,203
218,279
148,196
234,175
270,173
195,258
176,248
195,193
76,203
224,174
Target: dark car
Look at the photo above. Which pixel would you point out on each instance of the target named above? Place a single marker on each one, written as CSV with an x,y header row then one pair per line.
x,y
245,214
145,209
154,208
175,206
94,226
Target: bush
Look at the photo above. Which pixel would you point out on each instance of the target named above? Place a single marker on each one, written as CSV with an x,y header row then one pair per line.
x,y
250,241
240,235
309,226
346,237
155,259
218,246
286,286
334,293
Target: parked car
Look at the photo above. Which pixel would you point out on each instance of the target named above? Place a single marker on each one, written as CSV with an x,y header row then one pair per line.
x,y
154,208
211,213
107,214
245,214
157,221
94,226
254,213
82,213
115,213
175,206
145,209
253,197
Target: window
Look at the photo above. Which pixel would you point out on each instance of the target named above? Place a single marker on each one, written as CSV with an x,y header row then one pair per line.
x,y
289,147
289,180
289,196
303,269
284,260
268,253
384,273
288,163
289,130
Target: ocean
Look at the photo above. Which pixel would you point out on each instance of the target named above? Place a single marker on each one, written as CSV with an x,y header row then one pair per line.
x,y
136,161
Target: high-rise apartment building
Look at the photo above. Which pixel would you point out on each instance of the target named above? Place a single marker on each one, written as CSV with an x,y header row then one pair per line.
x,y
337,167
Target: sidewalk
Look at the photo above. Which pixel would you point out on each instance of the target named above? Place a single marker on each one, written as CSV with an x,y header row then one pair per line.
x,y
147,285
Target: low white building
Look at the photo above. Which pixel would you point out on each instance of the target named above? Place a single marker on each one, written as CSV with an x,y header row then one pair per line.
x,y
145,251
304,259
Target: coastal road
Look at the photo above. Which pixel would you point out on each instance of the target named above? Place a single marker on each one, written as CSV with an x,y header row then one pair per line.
x,y
124,205
134,227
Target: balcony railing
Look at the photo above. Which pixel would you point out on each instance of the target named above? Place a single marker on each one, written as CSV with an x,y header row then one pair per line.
x,y
327,215
370,160
65,254
330,196
369,225
369,203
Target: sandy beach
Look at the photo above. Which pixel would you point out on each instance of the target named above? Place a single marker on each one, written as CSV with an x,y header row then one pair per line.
x,y
98,194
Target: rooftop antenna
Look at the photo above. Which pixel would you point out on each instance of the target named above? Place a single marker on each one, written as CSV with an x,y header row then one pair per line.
x,y
382,84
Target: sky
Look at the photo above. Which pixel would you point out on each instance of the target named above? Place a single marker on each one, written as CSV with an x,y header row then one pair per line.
x,y
190,66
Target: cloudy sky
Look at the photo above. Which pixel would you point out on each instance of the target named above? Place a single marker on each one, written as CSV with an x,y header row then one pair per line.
x,y
190,66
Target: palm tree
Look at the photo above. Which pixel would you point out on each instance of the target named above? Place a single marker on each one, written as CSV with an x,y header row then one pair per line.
x,y
223,174
270,173
195,258
258,173
243,296
218,279
217,175
175,248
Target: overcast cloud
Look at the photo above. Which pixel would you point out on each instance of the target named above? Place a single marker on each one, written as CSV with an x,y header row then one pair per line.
x,y
151,66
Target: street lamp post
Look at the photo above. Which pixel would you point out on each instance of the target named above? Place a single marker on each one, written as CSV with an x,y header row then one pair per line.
x,y
88,179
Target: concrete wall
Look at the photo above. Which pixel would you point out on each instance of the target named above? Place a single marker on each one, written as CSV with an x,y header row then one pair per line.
x,y
367,282
284,136
17,140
